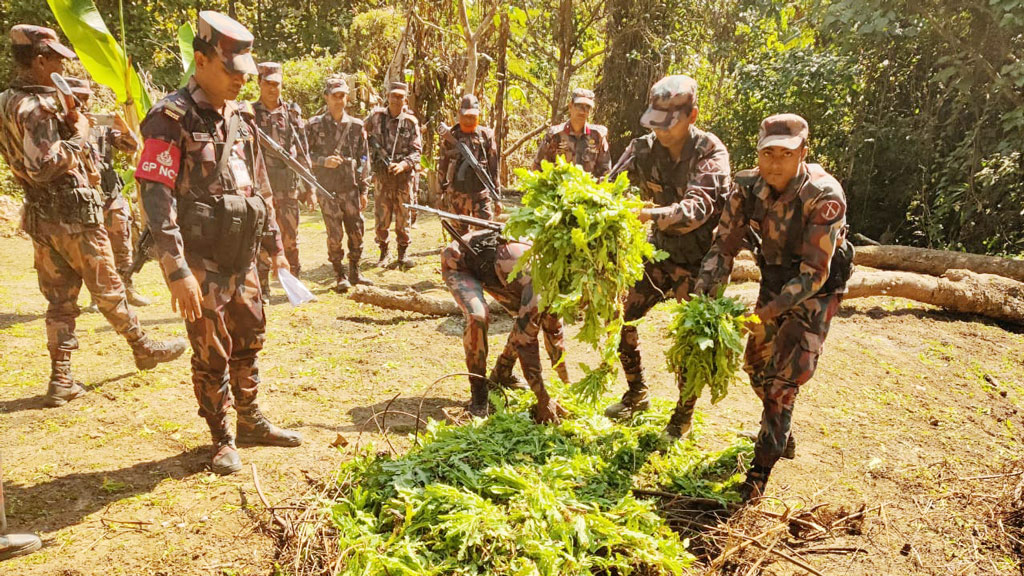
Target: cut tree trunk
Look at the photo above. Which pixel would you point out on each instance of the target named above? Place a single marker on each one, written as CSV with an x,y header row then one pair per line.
x,y
411,301
957,290
961,291
936,262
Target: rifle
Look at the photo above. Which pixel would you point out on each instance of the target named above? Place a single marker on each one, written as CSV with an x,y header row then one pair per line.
x,y
446,132
294,165
141,252
448,216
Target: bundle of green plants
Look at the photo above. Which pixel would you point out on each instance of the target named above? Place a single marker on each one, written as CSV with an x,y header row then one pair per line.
x,y
507,496
706,335
588,248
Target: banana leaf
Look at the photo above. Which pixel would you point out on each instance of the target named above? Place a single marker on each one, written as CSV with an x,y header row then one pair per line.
x,y
99,51
185,35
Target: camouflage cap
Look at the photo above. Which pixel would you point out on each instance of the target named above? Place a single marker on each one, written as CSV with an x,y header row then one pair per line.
x,y
78,86
28,35
231,40
582,96
335,85
270,71
670,97
398,87
470,105
785,130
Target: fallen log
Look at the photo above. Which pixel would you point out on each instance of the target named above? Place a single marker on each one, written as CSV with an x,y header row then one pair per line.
x,y
411,301
957,290
936,262
960,291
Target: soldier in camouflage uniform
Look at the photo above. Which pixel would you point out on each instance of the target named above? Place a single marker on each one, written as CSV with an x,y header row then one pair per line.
x,y
481,262
14,545
577,140
394,138
683,173
282,121
209,204
793,215
46,150
117,214
337,144
463,190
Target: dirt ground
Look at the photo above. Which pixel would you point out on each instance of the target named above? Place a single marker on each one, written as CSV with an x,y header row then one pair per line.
x,y
912,408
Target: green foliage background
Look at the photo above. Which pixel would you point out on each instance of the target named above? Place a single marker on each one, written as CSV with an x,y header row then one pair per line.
x,y
916,106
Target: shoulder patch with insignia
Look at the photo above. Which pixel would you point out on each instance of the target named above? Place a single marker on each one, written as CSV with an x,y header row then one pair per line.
x,y
173,110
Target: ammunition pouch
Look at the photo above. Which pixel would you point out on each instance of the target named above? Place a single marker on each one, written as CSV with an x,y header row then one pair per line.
x,y
483,257
465,179
775,276
69,204
228,230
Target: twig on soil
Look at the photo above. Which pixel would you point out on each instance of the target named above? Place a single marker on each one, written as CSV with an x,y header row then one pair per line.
x,y
993,476
132,522
273,514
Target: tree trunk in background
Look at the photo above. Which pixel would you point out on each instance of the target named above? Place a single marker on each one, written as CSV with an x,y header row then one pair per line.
x,y
631,66
499,97
563,74
936,262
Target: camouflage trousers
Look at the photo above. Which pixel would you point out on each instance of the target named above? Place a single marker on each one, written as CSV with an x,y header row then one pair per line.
x,y
477,205
661,281
226,340
781,356
392,193
342,216
117,219
521,304
287,215
63,262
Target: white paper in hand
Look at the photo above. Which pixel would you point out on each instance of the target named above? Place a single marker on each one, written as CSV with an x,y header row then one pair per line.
x,y
297,293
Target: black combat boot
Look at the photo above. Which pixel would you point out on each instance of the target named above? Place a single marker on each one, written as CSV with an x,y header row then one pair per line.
x,y
354,277
479,404
634,401
341,284
225,457
14,545
681,420
148,352
501,375
62,387
383,253
254,428
403,261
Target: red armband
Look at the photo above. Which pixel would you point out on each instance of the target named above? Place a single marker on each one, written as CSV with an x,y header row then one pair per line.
x,y
159,163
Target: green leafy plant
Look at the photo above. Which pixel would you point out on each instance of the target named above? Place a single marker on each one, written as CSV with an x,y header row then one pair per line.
x,y
588,248
507,496
707,343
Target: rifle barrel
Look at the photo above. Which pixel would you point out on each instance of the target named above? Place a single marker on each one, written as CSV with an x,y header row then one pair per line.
x,y
304,174
479,222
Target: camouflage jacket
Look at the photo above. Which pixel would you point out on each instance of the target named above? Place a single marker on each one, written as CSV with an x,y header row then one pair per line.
x,y
395,139
453,168
346,138
588,149
103,141
37,145
284,125
813,205
688,194
183,136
